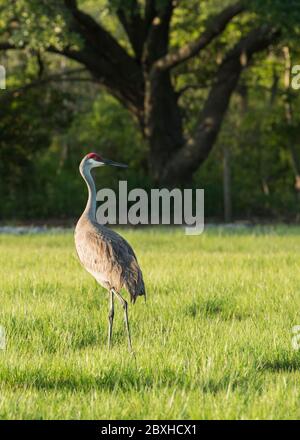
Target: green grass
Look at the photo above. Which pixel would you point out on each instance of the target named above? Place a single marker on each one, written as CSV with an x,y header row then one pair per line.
x,y
212,341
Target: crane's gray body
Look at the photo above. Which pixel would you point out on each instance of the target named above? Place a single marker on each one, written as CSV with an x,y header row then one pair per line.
x,y
108,258
104,253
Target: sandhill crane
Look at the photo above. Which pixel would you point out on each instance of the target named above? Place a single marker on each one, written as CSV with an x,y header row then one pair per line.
x,y
103,252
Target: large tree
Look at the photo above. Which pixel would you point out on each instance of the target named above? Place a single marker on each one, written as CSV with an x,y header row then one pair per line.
x,y
141,74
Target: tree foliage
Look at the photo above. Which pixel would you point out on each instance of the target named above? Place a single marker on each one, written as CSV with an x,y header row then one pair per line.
x,y
150,82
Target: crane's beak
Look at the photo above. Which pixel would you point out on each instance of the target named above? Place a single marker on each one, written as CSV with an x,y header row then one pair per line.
x,y
114,164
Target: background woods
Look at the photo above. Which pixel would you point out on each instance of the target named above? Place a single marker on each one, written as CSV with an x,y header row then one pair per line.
x,y
189,93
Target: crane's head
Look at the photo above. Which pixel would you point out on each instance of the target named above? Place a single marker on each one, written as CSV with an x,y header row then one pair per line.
x,y
94,160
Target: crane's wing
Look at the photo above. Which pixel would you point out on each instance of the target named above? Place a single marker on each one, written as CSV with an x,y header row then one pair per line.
x,y
111,259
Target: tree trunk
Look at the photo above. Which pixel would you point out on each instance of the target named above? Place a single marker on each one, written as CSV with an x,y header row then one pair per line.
x,y
163,123
142,79
143,83
227,185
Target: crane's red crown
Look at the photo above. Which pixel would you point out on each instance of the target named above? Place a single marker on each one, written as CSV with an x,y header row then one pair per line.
x,y
94,156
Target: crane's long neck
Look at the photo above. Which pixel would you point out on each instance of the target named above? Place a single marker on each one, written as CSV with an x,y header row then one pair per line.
x,y
90,209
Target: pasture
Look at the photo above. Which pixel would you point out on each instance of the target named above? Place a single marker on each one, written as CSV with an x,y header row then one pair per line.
x,y
213,340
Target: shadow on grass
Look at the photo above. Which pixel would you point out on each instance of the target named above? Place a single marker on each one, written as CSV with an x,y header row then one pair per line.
x,y
229,383
109,380
54,337
129,379
222,308
280,364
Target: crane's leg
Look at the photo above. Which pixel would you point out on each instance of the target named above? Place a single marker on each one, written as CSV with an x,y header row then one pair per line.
x,y
110,316
125,307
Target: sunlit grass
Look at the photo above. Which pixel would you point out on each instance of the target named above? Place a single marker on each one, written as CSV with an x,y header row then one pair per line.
x,y
212,341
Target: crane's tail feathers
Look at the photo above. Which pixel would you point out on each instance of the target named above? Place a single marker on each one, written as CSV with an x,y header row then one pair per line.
x,y
135,287
133,297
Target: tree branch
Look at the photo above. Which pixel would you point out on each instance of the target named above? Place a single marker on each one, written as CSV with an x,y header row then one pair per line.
x,y
93,32
216,26
196,149
106,59
149,12
134,26
56,77
157,42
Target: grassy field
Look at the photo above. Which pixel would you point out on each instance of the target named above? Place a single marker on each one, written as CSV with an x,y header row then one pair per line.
x,y
212,341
